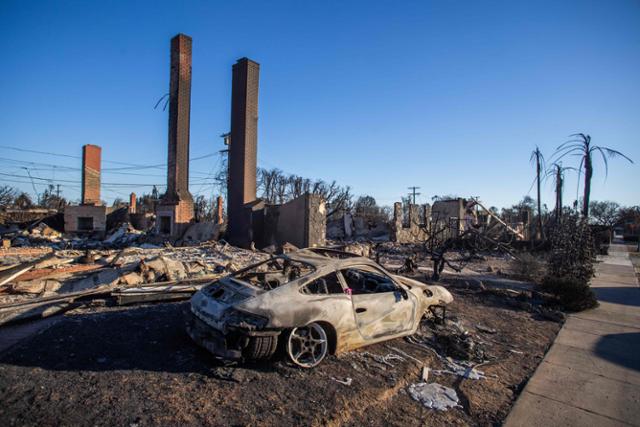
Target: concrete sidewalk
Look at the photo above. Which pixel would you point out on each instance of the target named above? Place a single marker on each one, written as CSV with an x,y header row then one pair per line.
x,y
591,374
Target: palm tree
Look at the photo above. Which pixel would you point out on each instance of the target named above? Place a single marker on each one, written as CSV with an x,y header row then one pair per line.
x,y
557,171
581,146
536,155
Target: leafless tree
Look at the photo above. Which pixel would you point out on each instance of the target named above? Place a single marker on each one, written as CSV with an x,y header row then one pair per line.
x,y
276,188
23,201
7,196
605,213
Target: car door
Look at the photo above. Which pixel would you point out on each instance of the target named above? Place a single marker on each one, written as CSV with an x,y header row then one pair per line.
x,y
380,306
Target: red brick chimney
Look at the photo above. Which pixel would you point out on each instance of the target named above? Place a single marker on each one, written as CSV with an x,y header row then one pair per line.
x,y
91,158
219,207
132,203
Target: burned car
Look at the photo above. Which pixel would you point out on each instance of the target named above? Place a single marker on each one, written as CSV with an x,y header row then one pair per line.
x,y
313,301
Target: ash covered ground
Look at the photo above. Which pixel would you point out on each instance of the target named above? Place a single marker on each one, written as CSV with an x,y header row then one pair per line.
x,y
137,366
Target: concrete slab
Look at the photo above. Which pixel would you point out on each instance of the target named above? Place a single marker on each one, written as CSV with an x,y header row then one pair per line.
x,y
599,327
604,396
540,411
610,316
586,361
623,343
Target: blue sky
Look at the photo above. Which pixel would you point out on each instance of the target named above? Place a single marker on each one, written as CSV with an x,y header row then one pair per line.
x,y
451,96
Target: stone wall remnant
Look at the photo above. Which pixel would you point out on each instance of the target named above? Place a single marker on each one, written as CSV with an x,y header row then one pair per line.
x,y
415,229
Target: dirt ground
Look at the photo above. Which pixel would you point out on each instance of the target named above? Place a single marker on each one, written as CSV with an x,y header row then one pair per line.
x,y
136,366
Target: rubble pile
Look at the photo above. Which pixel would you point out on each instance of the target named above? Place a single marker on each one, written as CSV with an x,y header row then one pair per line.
x,y
38,278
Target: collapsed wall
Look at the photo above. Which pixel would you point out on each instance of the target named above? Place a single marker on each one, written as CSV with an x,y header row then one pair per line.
x,y
301,222
414,228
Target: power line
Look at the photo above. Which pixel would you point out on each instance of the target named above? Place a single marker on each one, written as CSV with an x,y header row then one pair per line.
x,y
129,165
24,150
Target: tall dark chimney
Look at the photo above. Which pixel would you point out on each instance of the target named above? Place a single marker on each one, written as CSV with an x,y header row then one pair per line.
x,y
175,210
179,112
243,149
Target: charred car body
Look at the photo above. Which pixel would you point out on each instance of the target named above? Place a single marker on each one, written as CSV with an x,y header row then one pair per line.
x,y
315,301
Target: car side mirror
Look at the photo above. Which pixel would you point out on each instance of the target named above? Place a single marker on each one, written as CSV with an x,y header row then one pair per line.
x,y
403,292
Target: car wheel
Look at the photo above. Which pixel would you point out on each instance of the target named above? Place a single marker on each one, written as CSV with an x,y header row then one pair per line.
x,y
307,345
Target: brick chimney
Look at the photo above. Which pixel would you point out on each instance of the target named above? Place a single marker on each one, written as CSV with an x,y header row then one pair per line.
x,y
219,210
132,203
91,158
179,116
243,148
175,210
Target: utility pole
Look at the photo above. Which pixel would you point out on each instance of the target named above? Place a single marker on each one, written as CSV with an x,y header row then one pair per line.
x,y
58,191
32,183
226,137
413,193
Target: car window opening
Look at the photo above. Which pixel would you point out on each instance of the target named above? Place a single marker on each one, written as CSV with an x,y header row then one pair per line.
x,y
367,282
325,285
274,273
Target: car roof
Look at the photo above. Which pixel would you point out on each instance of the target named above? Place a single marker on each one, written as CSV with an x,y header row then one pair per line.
x,y
321,257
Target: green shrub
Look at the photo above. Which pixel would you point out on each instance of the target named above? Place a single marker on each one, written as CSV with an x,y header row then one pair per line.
x,y
574,294
572,249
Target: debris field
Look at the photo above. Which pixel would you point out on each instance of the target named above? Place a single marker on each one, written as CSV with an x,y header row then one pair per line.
x,y
107,365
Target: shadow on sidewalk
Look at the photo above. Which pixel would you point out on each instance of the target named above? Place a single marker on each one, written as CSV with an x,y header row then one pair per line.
x,y
621,349
623,295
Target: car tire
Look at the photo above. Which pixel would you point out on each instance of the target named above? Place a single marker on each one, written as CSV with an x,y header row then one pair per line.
x,y
261,347
307,346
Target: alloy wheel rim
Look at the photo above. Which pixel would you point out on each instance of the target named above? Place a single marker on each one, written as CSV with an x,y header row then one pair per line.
x,y
307,345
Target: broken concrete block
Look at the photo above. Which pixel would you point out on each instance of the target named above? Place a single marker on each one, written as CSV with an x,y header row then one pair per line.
x,y
108,276
36,286
161,266
132,279
288,247
202,232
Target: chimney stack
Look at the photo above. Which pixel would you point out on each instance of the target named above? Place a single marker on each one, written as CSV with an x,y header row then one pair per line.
x,y
132,203
175,210
219,207
179,113
243,148
91,158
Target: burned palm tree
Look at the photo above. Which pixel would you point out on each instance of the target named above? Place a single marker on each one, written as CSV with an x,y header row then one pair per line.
x,y
557,172
581,146
538,159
